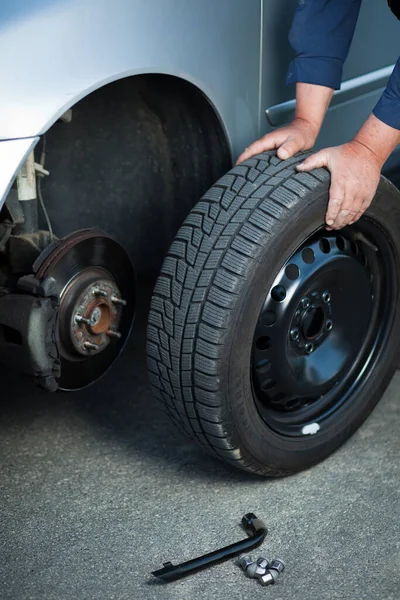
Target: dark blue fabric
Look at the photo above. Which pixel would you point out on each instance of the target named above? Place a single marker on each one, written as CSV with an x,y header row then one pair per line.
x,y
388,107
321,35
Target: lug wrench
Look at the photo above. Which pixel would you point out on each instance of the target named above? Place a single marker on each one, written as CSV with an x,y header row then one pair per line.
x,y
253,526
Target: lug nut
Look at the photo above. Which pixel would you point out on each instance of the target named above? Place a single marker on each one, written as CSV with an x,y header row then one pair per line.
x,y
294,334
116,300
305,303
251,568
277,565
263,562
99,292
244,561
267,579
255,571
326,297
309,348
80,319
275,568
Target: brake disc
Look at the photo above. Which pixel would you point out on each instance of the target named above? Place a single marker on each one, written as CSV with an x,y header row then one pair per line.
x,y
94,281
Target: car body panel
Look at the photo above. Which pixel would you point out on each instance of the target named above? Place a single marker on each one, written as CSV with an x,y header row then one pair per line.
x,y
236,52
59,51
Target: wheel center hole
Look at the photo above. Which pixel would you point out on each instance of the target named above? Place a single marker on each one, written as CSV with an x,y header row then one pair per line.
x,y
100,318
313,322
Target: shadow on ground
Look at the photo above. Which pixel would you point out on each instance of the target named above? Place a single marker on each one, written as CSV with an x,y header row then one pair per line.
x,y
97,490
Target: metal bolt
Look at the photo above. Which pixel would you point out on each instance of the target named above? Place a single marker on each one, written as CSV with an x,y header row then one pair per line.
x,y
99,292
294,334
80,319
309,348
114,334
326,297
116,300
305,303
328,325
90,346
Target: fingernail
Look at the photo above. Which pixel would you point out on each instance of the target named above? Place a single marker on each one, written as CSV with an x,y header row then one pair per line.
x,y
330,222
283,154
300,167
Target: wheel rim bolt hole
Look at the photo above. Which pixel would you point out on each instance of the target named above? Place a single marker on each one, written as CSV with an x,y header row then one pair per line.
x,y
263,343
278,293
309,348
328,325
326,297
294,334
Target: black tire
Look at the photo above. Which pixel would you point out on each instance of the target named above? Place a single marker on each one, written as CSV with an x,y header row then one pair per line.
x,y
208,300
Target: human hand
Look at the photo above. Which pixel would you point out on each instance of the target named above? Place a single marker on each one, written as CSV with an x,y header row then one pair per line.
x,y
299,135
355,172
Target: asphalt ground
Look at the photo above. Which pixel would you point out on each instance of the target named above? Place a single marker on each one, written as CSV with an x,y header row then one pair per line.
x,y
97,490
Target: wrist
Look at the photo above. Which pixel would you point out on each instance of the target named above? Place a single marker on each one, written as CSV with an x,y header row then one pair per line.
x,y
312,102
310,127
377,139
361,148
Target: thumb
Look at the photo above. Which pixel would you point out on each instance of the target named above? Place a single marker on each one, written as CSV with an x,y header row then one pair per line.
x,y
288,149
315,161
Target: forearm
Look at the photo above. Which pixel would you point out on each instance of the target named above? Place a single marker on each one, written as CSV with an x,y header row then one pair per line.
x,y
312,102
378,138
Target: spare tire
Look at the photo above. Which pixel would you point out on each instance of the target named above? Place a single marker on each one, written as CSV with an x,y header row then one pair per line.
x,y
270,339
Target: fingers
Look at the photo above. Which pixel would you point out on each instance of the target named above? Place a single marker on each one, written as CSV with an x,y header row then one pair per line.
x,y
315,161
289,148
363,205
266,143
359,214
345,205
336,198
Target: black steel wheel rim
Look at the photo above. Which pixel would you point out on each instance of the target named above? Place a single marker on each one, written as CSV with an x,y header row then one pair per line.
x,y
322,327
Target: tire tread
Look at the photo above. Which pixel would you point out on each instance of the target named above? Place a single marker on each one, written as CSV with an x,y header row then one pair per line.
x,y
201,276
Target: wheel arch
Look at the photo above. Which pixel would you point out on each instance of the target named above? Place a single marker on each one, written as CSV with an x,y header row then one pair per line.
x,y
118,133
185,78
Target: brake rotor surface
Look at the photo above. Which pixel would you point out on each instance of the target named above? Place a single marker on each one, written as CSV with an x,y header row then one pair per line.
x,y
95,283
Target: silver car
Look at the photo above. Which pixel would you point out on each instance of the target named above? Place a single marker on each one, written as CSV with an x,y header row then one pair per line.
x,y
269,341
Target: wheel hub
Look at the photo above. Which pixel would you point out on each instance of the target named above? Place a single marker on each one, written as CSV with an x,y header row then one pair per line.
x,y
93,279
96,313
313,323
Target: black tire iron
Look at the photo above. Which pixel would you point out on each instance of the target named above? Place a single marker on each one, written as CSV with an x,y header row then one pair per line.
x,y
253,526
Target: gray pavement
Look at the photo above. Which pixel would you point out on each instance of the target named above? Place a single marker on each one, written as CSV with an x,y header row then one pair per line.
x,y
97,490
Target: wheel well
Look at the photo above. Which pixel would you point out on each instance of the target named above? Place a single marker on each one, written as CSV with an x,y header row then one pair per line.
x,y
136,156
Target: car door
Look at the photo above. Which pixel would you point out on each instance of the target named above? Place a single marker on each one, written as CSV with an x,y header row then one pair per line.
x,y
373,52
